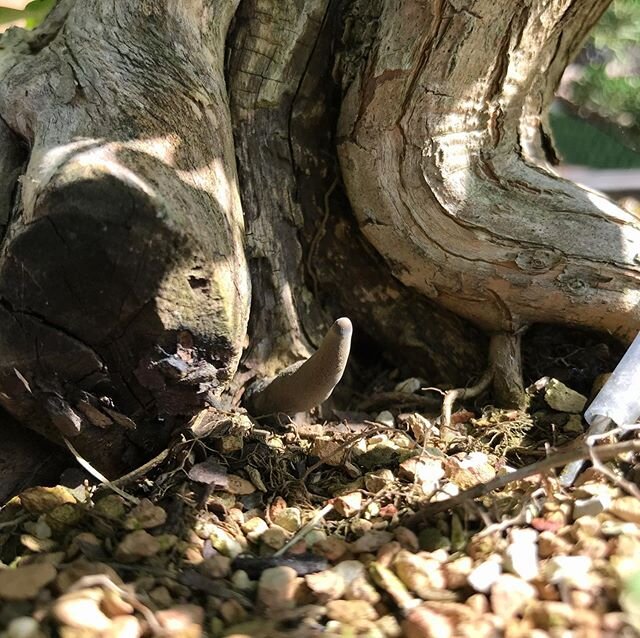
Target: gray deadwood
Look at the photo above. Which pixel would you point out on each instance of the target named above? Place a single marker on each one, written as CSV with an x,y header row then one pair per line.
x,y
182,180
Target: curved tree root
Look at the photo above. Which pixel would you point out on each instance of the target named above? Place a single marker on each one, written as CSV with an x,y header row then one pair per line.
x,y
459,394
504,373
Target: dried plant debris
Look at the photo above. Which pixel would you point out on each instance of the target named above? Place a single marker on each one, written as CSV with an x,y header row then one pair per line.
x,y
306,531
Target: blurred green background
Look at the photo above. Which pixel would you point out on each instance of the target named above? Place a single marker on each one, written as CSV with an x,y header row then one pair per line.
x,y
596,118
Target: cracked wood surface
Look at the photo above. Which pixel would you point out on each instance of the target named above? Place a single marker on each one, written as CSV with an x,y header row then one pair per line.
x,y
309,262
126,239
445,156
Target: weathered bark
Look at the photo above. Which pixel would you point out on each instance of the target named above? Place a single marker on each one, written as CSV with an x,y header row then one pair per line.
x,y
26,459
125,245
126,263
309,261
445,157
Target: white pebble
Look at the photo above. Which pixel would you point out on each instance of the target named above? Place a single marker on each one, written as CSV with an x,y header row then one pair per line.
x,y
23,627
484,575
386,418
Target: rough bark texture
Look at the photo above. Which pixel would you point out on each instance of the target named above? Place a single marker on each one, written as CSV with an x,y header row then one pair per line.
x,y
309,261
446,161
125,244
132,252
26,459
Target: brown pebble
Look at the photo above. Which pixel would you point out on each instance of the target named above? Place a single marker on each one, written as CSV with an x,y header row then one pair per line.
x,y
137,545
24,583
479,603
277,588
217,566
332,548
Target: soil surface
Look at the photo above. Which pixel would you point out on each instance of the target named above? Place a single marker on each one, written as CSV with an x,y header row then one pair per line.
x,y
309,528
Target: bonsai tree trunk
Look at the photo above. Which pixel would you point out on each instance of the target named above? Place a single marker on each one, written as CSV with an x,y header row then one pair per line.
x,y
182,181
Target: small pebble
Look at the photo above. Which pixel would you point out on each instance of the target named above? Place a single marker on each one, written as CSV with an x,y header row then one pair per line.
x,y
420,574
563,399
371,542
348,504
224,542
332,548
484,575
145,516
315,536
161,597
24,583
182,620
376,481
137,545
277,588
509,595
81,610
351,612
568,570
241,581
457,572
23,627
407,538
275,537
521,555
289,518
386,418
626,508
550,544
590,506
254,528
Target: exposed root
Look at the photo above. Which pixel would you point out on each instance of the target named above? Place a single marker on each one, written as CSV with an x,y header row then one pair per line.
x,y
306,384
460,394
505,360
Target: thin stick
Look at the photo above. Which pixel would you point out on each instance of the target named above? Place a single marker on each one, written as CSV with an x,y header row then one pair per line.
x,y
305,529
604,453
139,472
519,519
570,473
461,394
103,479
598,465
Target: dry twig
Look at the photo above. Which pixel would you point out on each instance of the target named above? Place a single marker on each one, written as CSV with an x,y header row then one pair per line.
x,y
628,486
604,453
101,580
305,529
101,477
348,443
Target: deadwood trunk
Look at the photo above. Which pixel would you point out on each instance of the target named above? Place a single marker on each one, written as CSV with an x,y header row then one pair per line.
x,y
182,180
